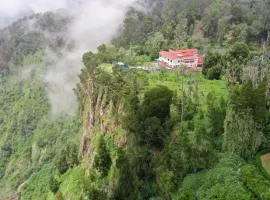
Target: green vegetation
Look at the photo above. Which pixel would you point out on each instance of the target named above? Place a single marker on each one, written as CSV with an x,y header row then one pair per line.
x,y
30,138
138,134
23,42
202,24
174,82
170,136
222,182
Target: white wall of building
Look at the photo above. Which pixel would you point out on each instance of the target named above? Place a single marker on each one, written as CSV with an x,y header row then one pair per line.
x,y
178,62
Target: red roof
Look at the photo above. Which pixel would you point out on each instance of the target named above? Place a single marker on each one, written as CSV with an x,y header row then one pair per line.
x,y
184,51
200,60
169,55
186,54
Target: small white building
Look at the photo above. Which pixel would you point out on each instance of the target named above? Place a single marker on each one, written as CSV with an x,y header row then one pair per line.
x,y
175,58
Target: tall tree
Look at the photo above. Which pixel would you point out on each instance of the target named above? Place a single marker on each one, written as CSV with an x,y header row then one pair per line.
x,y
242,134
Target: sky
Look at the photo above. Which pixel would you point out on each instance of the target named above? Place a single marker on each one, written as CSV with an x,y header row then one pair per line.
x,y
10,8
13,7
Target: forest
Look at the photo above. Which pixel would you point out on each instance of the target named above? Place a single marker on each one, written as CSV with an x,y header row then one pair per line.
x,y
142,134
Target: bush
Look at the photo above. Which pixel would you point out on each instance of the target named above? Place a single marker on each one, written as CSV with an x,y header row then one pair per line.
x,y
67,158
157,102
54,184
102,160
61,162
214,73
212,67
59,196
153,134
239,51
255,182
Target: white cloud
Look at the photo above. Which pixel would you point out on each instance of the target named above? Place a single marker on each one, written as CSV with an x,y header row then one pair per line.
x,y
45,5
95,22
10,8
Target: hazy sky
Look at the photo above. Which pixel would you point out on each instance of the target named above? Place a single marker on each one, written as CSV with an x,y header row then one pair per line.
x,y
12,7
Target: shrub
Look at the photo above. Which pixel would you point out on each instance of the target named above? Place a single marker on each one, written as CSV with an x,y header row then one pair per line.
x,y
212,67
54,184
255,182
214,73
102,160
67,158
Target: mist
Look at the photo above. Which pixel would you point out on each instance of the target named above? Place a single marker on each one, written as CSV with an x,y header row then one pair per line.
x,y
94,22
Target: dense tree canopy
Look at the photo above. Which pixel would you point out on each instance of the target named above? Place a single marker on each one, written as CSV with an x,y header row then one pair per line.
x,y
144,134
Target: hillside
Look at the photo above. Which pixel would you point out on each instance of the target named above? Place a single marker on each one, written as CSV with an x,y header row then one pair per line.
x,y
202,24
136,131
32,34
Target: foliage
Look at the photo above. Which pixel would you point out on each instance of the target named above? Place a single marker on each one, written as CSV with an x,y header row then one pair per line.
x,y
18,40
239,51
213,64
29,139
54,184
245,120
190,186
241,135
154,44
37,187
220,182
157,103
102,160
146,135
255,182
67,158
183,24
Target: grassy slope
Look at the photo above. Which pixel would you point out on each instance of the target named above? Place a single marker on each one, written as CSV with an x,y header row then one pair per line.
x,y
175,83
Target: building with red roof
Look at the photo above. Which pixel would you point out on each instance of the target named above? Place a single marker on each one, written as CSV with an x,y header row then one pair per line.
x,y
191,58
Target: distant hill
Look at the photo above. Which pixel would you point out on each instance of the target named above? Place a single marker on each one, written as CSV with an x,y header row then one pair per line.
x,y
31,34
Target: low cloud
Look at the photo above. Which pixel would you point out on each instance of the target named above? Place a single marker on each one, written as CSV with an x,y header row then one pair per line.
x,y
95,22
